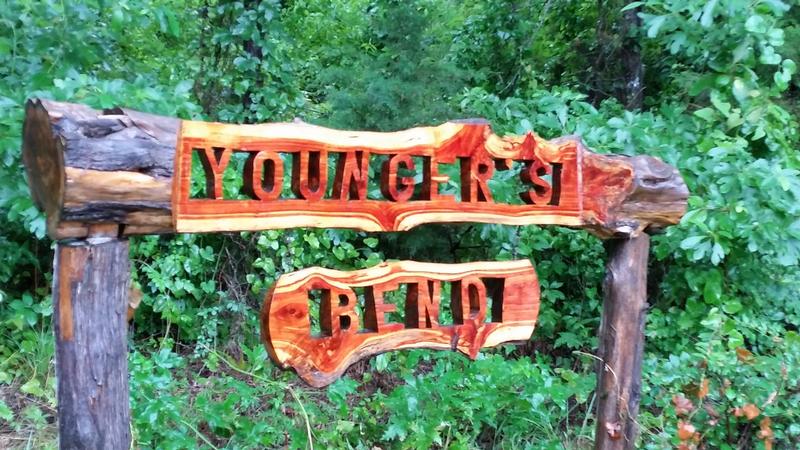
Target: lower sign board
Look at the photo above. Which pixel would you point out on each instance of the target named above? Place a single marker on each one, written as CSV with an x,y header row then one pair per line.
x,y
320,321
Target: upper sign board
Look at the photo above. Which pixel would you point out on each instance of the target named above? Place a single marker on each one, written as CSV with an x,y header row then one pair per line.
x,y
301,175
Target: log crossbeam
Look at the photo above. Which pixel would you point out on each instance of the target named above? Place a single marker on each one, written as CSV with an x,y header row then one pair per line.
x,y
119,166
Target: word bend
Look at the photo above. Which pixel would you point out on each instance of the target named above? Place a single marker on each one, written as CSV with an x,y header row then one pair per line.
x,y
350,330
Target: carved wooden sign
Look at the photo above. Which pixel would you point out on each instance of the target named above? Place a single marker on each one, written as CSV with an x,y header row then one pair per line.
x,y
490,303
331,175
101,175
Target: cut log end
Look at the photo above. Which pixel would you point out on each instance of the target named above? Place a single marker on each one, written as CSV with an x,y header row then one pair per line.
x,y
640,193
43,157
87,167
656,200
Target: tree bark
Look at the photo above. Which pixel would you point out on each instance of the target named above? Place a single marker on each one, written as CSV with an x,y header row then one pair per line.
x,y
87,166
633,96
621,343
90,299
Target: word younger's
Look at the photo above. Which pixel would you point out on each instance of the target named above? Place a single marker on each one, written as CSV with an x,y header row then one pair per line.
x,y
300,175
474,323
264,173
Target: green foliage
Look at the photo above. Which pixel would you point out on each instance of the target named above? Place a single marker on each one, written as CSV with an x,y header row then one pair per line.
x,y
721,94
245,74
405,76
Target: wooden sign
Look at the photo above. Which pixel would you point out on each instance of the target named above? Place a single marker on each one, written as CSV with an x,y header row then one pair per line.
x,y
490,303
332,171
101,175
132,171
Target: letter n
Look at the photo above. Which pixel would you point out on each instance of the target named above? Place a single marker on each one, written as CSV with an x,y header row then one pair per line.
x,y
422,304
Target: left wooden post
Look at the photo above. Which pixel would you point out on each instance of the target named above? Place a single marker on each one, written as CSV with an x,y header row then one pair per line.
x,y
90,299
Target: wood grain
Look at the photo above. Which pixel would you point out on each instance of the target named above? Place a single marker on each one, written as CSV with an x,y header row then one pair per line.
x,y
319,359
86,166
566,183
116,166
90,299
621,343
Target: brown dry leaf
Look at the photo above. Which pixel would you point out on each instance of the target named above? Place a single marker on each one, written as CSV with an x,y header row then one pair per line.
x,y
703,391
683,405
750,411
766,433
613,430
766,429
685,430
744,355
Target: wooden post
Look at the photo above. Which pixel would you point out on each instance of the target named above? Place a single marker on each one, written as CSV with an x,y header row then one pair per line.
x,y
90,298
621,343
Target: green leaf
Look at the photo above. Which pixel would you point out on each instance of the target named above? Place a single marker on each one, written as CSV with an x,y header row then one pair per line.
x,y
691,242
32,387
717,254
345,426
394,431
712,292
381,362
735,340
789,66
371,242
312,240
708,14
655,24
173,25
742,50
631,5
732,306
5,412
616,122
769,57
708,114
756,24
117,19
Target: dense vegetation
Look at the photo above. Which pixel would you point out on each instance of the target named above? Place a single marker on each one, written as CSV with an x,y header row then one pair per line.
x,y
718,98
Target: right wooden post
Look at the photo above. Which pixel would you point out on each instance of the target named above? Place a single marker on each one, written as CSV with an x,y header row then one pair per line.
x,y
621,343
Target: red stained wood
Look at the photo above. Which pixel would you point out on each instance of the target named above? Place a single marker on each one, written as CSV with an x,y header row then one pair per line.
x,y
565,183
263,176
103,174
347,337
352,172
309,174
393,186
215,161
